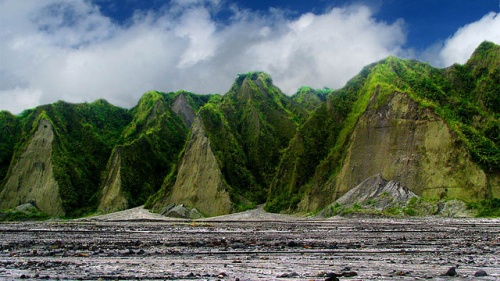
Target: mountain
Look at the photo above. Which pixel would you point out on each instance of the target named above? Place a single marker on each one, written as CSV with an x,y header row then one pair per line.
x,y
234,148
61,150
431,132
311,98
71,159
148,149
10,128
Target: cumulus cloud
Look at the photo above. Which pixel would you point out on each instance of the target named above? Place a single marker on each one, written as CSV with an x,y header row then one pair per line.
x,y
459,47
68,50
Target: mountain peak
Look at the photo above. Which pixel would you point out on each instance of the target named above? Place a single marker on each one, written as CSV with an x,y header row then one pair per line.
x,y
487,55
255,86
253,76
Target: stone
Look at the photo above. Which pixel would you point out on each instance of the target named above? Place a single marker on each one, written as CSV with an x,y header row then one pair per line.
x,y
451,271
28,207
349,273
178,211
332,276
167,208
288,275
194,214
480,273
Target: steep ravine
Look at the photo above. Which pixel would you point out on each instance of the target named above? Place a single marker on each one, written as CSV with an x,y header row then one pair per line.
x,y
182,108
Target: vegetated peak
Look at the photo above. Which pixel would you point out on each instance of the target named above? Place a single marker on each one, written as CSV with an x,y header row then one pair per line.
x,y
255,88
253,75
6,114
311,98
100,102
318,92
485,50
485,57
148,99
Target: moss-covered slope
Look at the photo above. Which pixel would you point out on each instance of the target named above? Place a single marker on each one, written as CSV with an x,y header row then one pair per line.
x,y
462,98
80,141
311,98
247,130
10,133
436,131
148,149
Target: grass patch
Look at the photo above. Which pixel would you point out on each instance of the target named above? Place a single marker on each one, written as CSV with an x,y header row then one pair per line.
x,y
489,208
23,215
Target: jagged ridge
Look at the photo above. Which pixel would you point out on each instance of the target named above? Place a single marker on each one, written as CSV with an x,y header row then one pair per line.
x,y
295,153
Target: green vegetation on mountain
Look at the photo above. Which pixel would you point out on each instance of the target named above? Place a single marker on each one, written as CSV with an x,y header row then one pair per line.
x,y
311,98
321,136
149,147
9,126
84,135
464,96
264,120
404,119
247,128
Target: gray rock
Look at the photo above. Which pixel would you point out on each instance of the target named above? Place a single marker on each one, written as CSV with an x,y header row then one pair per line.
x,y
178,211
451,271
28,207
480,273
195,214
374,193
288,275
183,109
454,209
167,208
379,190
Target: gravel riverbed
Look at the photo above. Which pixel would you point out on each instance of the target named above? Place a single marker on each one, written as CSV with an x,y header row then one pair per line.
x,y
252,245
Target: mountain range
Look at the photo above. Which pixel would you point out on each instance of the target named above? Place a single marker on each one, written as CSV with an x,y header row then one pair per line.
x,y
433,131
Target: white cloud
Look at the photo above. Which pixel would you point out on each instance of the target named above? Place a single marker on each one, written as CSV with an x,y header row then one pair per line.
x,y
462,44
68,50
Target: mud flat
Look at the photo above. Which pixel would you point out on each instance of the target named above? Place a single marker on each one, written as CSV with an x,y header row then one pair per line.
x,y
250,246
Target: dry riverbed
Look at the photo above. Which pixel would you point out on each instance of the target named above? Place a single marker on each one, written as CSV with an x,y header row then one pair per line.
x,y
252,245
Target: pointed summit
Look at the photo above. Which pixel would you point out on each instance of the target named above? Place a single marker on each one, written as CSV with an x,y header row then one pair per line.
x,y
245,131
149,147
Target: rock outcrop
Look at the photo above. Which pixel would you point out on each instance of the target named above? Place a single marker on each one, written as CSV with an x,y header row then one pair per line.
x,y
32,178
377,192
184,110
413,146
407,143
199,182
150,146
112,197
433,131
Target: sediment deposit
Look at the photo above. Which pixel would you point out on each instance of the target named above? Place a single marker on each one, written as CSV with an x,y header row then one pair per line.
x,y
255,246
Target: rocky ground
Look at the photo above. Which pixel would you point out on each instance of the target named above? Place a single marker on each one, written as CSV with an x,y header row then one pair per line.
x,y
252,245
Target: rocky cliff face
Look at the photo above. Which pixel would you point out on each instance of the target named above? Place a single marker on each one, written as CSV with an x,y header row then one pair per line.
x,y
434,131
199,182
112,197
375,188
184,110
150,146
32,178
414,146
408,144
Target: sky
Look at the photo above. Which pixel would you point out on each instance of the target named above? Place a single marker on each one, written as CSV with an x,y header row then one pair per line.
x,y
83,50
